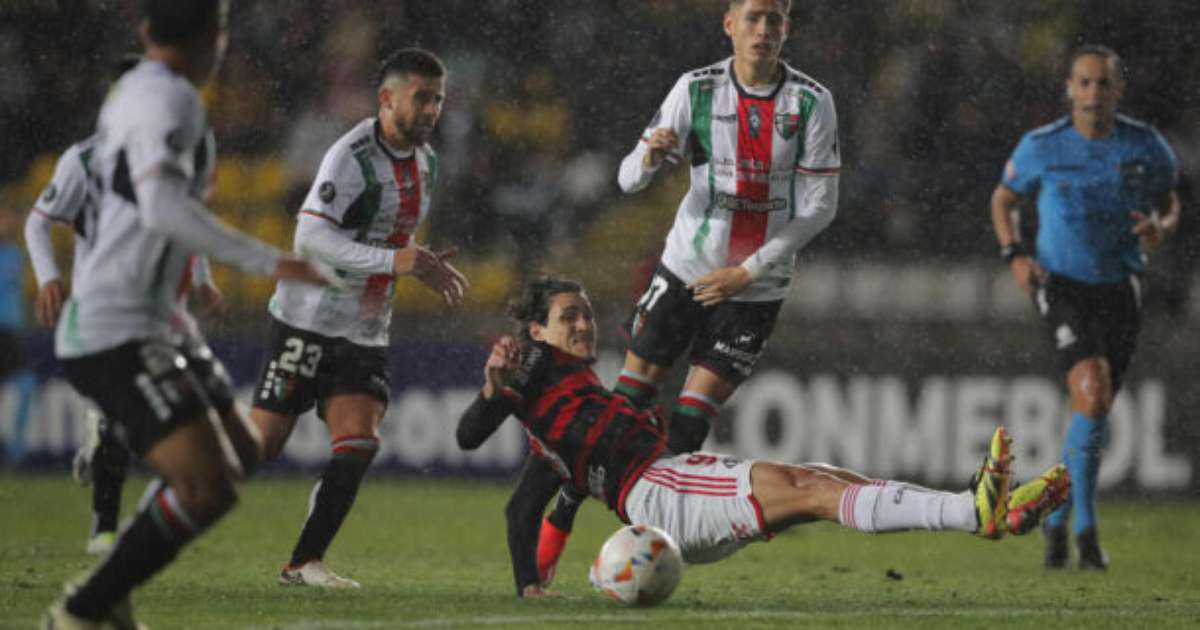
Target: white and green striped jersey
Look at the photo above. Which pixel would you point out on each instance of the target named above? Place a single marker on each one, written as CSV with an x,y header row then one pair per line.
x,y
68,199
371,199
764,174
127,283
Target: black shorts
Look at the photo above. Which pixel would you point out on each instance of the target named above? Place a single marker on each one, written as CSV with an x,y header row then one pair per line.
x,y
1087,320
301,368
148,388
12,354
727,338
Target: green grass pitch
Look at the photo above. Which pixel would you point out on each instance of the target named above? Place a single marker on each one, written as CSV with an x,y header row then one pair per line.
x,y
431,554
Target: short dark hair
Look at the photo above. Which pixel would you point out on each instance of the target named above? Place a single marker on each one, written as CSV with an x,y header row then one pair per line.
x,y
1098,50
534,303
174,22
408,61
787,5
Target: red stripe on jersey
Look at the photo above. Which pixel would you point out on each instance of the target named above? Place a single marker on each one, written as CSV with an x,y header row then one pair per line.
x,y
564,387
688,489
756,130
408,182
313,213
688,478
658,476
562,419
634,475
593,434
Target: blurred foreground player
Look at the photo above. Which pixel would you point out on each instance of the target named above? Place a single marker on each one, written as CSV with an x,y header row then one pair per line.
x,y
69,201
711,504
1104,185
114,338
328,347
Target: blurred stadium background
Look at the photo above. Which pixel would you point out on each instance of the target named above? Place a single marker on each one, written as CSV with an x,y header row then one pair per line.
x,y
905,339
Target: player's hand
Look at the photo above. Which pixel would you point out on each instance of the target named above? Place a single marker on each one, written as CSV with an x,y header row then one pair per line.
x,y
49,302
660,145
295,269
434,270
505,356
535,591
720,285
1148,228
211,300
1027,272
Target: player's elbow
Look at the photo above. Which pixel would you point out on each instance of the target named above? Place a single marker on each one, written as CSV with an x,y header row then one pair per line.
x,y
468,440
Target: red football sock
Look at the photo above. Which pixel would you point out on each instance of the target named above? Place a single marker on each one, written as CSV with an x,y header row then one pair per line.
x,y
551,541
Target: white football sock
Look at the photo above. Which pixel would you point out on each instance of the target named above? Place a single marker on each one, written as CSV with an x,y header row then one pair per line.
x,y
895,506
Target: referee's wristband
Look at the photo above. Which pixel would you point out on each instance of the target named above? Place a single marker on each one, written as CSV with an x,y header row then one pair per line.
x,y
1011,251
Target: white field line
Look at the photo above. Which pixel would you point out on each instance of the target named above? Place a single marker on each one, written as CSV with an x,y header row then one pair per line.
x,y
636,617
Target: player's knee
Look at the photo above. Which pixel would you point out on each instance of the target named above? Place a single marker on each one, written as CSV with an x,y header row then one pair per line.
x,y
206,497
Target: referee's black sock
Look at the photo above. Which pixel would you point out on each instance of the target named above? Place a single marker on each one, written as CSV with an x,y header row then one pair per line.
x,y
149,543
334,495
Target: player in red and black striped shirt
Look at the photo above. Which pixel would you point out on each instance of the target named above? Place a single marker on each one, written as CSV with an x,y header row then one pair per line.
x,y
599,443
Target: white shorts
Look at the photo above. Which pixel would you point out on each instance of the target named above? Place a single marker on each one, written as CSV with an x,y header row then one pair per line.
x,y
702,500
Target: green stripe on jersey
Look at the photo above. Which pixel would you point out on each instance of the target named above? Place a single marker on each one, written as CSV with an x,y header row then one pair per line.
x,y
808,103
701,93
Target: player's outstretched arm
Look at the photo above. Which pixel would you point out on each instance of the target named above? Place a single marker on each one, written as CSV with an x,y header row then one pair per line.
x,y
494,403
51,292
535,488
167,208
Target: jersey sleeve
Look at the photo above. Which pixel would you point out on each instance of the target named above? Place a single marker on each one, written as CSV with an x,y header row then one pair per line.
x,y
1163,168
1023,170
675,113
65,195
338,184
529,377
821,153
167,133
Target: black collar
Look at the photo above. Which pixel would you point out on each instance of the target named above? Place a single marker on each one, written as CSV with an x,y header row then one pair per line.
x,y
384,146
744,94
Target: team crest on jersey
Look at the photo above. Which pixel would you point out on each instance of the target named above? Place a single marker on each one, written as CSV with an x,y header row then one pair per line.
x,y
754,120
327,192
786,125
50,193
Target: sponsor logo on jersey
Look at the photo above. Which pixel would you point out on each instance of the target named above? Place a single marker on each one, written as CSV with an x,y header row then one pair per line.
x,y
734,203
786,125
50,193
326,192
725,118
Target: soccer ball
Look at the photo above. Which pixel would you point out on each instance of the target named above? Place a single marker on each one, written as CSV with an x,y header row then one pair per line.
x,y
639,565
